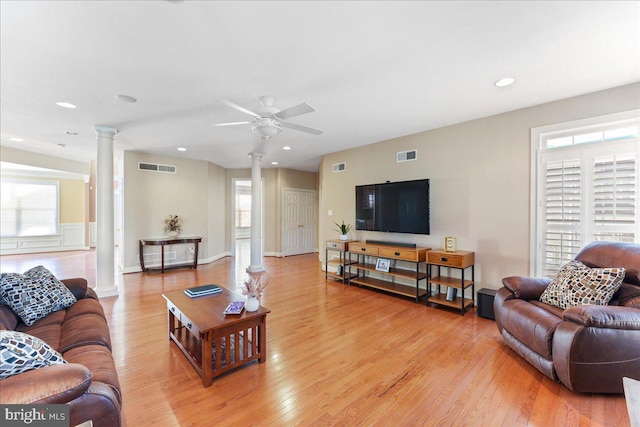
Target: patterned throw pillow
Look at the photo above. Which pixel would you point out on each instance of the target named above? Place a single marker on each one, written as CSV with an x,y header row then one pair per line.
x,y
34,294
20,352
576,284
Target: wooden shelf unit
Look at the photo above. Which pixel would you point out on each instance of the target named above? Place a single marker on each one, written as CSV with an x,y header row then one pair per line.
x,y
342,247
460,260
365,252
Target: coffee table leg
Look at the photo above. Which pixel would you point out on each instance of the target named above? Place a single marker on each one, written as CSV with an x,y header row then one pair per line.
x,y
262,339
207,360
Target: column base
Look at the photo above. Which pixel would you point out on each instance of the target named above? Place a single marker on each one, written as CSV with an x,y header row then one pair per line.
x,y
255,268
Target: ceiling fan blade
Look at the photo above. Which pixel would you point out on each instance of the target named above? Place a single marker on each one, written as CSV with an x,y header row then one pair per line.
x,y
296,110
231,124
301,128
237,107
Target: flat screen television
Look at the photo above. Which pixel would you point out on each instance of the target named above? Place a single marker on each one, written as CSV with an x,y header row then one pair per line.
x,y
395,207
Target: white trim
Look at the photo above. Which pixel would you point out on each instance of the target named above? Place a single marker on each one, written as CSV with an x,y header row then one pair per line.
x,y
71,238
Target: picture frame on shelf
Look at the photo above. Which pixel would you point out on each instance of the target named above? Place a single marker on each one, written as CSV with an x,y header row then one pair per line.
x,y
450,244
383,264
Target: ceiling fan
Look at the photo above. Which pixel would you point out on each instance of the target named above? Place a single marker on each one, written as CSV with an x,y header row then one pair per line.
x,y
269,120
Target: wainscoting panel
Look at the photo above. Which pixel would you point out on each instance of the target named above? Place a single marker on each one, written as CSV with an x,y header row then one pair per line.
x,y
71,238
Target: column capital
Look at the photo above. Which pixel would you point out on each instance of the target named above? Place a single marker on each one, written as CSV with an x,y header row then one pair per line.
x,y
105,129
256,156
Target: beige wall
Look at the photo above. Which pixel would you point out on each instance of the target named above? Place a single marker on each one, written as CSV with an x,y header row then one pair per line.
x,y
149,197
480,179
72,201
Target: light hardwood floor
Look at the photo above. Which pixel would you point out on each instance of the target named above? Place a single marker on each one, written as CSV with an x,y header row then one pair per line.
x,y
337,356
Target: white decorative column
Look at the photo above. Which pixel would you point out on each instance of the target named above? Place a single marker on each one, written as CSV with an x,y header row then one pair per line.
x,y
256,214
105,255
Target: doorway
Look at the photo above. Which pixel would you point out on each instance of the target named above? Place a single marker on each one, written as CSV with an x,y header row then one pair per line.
x,y
241,225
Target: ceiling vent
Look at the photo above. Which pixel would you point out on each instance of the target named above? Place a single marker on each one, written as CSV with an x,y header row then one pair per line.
x,y
406,156
156,168
339,167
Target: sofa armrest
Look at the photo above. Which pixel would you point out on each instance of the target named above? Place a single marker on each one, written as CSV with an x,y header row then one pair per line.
x,y
49,385
77,286
526,288
604,316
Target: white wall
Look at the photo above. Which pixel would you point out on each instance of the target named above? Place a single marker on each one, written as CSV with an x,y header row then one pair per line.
x,y
479,172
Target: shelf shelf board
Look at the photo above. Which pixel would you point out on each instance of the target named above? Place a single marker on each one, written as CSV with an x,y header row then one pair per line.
x,y
343,262
409,274
452,282
456,303
396,288
339,277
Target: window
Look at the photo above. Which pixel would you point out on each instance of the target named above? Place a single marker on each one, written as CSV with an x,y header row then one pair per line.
x,y
584,187
29,208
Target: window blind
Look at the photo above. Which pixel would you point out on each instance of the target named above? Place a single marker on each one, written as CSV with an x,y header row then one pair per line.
x,y
29,208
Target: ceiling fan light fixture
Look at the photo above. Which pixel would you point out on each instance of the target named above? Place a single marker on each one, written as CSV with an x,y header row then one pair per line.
x,y
266,127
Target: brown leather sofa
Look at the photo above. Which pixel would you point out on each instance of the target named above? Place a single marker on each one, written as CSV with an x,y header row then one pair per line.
x,y
88,383
588,348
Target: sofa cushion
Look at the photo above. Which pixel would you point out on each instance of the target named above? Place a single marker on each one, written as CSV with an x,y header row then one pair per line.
x,y
34,294
20,352
576,284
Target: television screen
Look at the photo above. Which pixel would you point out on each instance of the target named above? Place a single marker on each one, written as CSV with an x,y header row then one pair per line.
x,y
397,207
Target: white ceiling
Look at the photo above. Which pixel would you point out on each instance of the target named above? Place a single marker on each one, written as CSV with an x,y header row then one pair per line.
x,y
372,70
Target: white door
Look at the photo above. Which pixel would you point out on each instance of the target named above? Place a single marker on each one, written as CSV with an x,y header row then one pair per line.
x,y
298,209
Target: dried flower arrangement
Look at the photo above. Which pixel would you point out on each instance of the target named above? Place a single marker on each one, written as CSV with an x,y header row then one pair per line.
x,y
254,287
173,223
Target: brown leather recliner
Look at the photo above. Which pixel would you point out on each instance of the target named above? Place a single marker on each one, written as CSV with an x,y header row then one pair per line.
x,y
588,348
88,383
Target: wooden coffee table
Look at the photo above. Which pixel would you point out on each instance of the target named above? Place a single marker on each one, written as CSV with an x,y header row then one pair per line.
x,y
213,342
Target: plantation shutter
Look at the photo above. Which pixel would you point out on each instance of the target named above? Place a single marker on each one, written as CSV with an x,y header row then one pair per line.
x,y
614,196
562,210
585,187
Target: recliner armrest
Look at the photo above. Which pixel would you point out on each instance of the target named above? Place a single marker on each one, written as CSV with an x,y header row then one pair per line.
x,y
604,316
77,286
526,288
49,385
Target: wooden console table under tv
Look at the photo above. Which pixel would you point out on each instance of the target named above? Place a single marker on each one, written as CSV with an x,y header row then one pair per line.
x,y
164,241
213,342
366,263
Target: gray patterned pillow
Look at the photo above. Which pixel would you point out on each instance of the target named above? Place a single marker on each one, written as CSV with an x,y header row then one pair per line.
x,y
20,352
34,294
576,284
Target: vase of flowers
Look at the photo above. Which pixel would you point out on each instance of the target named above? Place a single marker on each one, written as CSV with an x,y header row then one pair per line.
x,y
343,229
173,225
252,289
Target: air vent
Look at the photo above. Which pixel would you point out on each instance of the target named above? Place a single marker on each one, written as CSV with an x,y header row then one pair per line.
x,y
156,168
339,167
406,156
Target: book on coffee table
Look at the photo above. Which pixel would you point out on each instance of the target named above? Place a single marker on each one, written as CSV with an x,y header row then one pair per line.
x,y
199,291
234,308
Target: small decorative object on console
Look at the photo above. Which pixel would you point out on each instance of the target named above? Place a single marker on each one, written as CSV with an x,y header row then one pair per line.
x,y
343,229
450,244
173,225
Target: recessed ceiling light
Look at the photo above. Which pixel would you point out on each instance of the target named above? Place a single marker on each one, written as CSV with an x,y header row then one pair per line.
x,y
66,105
126,98
68,132
506,81
16,139
286,147
274,163
62,145
182,149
